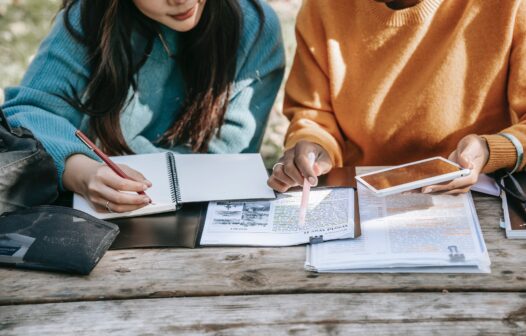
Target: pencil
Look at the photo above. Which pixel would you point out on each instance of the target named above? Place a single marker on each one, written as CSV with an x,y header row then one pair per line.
x,y
305,193
105,158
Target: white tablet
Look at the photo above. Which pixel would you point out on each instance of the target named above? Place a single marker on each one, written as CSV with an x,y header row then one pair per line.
x,y
412,176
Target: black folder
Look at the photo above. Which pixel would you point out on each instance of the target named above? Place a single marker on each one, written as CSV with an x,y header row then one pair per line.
x,y
514,213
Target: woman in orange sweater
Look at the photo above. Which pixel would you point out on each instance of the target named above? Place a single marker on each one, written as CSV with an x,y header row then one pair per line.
x,y
391,81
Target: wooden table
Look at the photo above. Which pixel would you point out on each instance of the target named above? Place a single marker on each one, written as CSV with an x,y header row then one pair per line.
x,y
266,291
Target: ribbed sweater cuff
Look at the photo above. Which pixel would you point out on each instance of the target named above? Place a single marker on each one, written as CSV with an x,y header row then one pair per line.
x,y
502,153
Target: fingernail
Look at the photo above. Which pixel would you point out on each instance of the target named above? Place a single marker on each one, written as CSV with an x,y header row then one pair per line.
x,y
312,180
146,200
148,183
427,190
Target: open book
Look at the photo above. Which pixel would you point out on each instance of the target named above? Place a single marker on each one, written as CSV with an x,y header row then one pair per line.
x,y
331,215
410,232
188,178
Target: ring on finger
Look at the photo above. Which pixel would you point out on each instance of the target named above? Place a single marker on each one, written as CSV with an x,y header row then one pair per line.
x,y
277,164
108,207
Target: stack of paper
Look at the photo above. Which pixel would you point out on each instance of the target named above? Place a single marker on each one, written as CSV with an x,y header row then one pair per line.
x,y
408,233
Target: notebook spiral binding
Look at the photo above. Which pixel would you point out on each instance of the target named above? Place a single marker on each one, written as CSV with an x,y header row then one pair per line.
x,y
174,186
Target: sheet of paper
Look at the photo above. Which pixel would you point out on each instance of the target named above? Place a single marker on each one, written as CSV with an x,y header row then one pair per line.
x,y
275,222
407,230
435,269
486,185
218,177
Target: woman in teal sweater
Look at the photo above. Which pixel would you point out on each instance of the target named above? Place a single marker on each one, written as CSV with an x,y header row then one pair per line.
x,y
142,76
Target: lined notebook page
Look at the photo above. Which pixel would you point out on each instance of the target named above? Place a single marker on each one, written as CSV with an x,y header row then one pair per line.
x,y
218,177
155,168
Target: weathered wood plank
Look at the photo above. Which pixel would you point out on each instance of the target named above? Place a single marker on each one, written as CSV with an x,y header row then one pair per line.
x,y
154,273
306,314
481,328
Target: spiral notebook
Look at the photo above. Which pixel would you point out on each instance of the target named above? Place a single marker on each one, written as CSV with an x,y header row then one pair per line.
x,y
190,178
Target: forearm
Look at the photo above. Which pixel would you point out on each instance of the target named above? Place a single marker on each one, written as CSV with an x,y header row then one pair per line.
x,y
58,72
502,152
56,133
317,127
308,100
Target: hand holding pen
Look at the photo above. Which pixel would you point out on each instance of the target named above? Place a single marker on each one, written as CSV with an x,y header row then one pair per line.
x,y
105,186
292,169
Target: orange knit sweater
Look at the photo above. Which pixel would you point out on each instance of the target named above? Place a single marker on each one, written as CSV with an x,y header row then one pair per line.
x,y
375,86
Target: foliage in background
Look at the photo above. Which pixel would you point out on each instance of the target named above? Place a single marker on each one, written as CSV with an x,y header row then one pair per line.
x,y
24,25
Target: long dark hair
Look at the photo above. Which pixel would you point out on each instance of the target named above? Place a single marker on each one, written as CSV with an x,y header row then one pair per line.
x,y
207,60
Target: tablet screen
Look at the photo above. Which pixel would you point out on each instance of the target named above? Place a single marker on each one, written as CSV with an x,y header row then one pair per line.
x,y
410,173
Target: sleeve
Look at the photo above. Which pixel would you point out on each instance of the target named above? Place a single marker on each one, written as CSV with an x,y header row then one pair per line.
x,y
307,93
261,64
502,153
58,70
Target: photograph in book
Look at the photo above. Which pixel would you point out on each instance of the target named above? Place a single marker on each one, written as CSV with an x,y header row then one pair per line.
x,y
330,215
242,214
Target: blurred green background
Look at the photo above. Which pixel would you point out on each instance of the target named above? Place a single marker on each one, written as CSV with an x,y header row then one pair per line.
x,y
23,24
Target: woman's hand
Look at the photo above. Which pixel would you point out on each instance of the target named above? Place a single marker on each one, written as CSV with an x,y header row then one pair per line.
x,y
100,185
472,153
294,166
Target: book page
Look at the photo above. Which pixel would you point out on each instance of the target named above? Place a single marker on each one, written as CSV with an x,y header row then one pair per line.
x,y
407,230
275,222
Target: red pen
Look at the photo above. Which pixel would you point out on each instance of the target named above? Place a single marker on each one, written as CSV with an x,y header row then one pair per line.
x,y
105,158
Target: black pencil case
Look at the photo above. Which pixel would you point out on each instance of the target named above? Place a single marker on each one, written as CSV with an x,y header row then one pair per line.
x,y
54,238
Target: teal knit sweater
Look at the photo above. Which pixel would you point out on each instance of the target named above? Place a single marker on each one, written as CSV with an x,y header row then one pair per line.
x,y
60,69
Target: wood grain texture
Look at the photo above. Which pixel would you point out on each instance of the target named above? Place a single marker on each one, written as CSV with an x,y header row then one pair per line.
x,y
157,273
306,314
